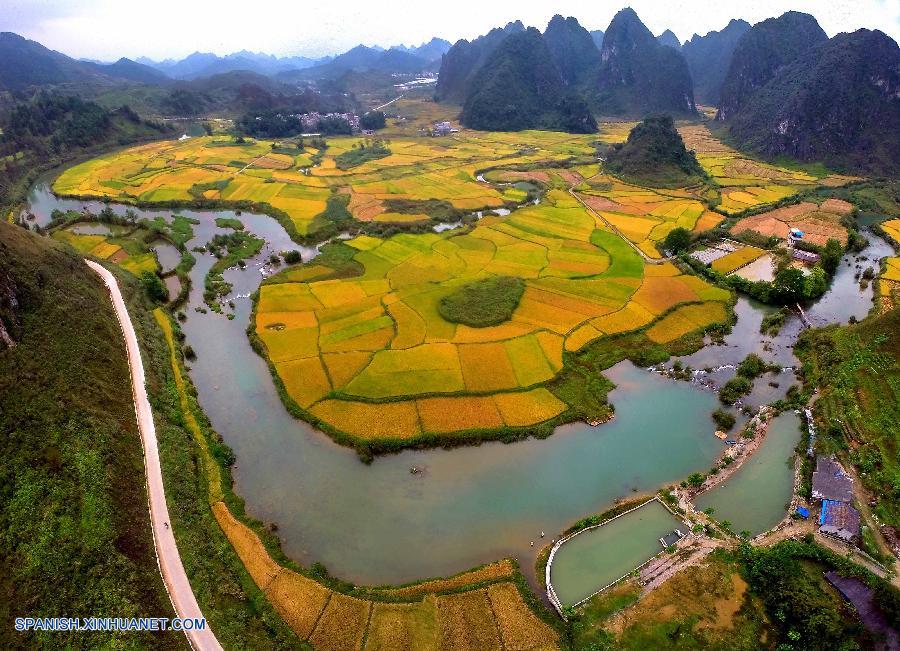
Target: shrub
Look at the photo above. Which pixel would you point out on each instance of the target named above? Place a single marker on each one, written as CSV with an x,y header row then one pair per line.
x,y
734,389
154,287
723,419
292,257
483,303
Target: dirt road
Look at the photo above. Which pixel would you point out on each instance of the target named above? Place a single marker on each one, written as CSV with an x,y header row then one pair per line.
x,y
170,566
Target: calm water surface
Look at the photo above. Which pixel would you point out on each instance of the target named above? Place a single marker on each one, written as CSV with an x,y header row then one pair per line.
x,y
381,524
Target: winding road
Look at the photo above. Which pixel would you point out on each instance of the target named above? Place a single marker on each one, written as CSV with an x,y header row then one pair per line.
x,y
170,566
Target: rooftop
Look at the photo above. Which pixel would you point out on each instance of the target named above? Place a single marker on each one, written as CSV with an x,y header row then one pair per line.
x,y
830,482
839,519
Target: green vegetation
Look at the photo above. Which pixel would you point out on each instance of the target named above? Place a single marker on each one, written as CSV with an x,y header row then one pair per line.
x,y
40,134
518,87
655,155
771,323
483,303
73,511
362,152
707,606
230,222
723,419
806,611
678,240
753,366
857,371
734,389
230,249
154,286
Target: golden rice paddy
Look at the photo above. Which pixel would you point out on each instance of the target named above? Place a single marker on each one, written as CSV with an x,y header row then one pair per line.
x,y
370,356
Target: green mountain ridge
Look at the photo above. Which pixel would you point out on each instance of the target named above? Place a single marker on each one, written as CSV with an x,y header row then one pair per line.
x,y
838,103
513,89
761,52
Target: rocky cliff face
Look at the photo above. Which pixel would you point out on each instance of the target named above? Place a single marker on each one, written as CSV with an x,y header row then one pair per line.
x,y
637,75
761,52
839,103
10,324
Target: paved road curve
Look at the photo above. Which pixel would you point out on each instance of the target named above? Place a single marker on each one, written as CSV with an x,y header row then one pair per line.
x,y
167,556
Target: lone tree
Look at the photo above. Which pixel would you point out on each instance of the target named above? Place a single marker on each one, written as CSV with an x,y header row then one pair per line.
x,y
678,240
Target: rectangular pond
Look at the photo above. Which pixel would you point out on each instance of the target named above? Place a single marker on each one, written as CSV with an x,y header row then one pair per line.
x,y
595,558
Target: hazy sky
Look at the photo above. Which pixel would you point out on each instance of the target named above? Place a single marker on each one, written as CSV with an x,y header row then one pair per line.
x,y
109,29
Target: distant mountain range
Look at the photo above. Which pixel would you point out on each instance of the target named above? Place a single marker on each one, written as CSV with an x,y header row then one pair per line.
x,y
25,64
780,87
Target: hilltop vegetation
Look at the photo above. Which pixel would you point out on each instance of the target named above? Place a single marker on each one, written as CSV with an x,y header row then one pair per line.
x,y
52,129
655,155
463,61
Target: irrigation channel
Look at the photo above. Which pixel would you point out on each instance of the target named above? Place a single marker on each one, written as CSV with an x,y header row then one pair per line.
x,y
382,524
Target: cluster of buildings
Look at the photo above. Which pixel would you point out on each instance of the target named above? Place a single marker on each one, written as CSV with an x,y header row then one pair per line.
x,y
834,488
796,235
310,121
443,129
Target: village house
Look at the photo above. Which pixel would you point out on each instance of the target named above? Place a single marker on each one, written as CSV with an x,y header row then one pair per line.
x,y
834,487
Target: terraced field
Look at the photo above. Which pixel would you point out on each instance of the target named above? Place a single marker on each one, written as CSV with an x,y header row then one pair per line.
x,y
370,356
287,185
747,183
644,215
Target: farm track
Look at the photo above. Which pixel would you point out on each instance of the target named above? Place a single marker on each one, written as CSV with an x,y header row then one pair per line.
x,y
615,230
169,560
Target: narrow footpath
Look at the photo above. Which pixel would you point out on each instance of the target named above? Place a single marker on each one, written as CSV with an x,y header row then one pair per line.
x,y
167,556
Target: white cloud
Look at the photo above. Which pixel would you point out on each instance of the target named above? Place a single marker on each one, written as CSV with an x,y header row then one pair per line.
x,y
108,29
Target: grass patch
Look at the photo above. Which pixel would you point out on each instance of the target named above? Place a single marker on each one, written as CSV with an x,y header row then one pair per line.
x,y
484,303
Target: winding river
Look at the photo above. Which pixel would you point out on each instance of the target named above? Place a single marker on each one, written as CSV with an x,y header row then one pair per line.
x,y
383,524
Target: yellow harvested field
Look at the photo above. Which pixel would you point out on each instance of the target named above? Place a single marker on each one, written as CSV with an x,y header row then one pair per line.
x,y
892,228
486,367
520,629
491,572
892,269
465,619
299,600
737,259
817,223
686,319
391,420
659,293
247,545
403,627
343,624
465,622
529,407
445,415
304,380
